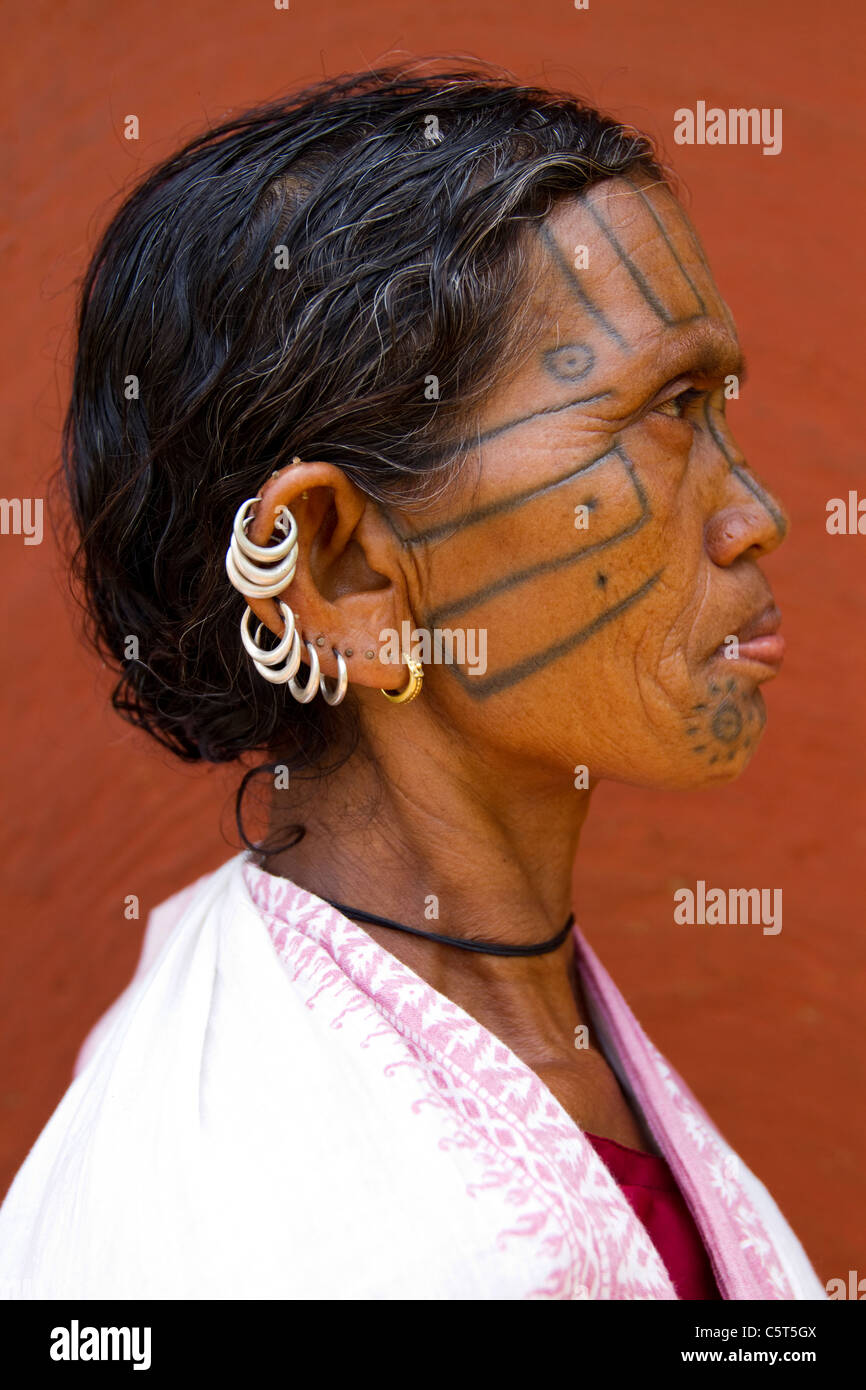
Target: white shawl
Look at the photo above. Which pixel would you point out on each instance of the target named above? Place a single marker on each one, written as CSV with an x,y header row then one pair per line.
x,y
276,1107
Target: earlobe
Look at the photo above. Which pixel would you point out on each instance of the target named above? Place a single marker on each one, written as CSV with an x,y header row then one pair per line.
x,y
412,686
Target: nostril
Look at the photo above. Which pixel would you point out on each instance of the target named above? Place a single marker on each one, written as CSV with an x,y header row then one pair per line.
x,y
725,530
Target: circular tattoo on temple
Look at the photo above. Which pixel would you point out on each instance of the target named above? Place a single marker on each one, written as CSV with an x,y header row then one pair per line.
x,y
571,362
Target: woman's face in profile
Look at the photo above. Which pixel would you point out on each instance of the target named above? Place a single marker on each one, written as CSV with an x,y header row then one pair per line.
x,y
608,537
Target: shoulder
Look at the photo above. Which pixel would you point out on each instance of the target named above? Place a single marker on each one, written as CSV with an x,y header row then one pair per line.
x,y
161,923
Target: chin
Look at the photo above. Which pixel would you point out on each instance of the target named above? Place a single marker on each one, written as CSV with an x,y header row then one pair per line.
x,y
694,775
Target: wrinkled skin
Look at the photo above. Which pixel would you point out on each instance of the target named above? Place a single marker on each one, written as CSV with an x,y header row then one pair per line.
x,y
603,640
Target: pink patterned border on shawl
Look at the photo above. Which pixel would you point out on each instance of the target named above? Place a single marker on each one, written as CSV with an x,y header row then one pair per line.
x,y
676,1118
564,1198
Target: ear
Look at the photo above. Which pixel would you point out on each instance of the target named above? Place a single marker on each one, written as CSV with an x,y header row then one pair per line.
x,y
351,580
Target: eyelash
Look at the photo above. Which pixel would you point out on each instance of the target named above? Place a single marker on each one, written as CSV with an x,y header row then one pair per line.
x,y
681,400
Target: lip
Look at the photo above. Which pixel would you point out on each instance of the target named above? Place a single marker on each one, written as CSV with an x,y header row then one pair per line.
x,y
759,639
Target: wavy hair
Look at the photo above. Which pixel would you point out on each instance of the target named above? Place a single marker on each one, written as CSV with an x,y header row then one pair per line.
x,y
284,285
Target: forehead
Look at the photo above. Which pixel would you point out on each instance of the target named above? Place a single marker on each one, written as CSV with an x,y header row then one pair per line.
x,y
618,277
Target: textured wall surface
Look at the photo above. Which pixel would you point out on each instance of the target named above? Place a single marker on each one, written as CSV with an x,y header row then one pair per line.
x,y
767,1030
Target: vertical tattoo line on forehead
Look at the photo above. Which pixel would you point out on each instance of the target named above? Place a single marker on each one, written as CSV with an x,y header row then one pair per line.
x,y
655,304
573,281
744,476
669,244
699,252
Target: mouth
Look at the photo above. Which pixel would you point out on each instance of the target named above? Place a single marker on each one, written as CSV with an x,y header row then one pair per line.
x,y
759,641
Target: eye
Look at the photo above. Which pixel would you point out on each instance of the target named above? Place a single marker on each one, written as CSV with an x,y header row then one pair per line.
x,y
676,406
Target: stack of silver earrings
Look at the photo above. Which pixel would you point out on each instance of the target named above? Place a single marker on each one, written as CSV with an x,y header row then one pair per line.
x,y
263,571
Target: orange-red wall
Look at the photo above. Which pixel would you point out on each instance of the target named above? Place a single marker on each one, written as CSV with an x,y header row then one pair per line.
x,y
766,1029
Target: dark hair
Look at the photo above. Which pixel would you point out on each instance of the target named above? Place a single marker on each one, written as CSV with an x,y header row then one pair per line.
x,y
403,258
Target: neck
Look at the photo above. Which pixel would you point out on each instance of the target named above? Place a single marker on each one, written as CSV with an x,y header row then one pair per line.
x,y
466,849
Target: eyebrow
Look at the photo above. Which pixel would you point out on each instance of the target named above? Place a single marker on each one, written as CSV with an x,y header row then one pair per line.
x,y
705,354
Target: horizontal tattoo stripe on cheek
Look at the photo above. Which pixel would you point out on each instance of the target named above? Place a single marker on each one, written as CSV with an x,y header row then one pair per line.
x,y
455,525
445,528
482,687
538,529
498,430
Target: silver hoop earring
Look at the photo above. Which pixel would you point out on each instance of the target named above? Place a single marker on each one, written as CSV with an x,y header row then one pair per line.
x,y
274,655
250,578
333,697
288,646
305,693
264,571
283,521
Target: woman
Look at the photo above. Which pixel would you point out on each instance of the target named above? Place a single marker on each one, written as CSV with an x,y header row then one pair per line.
x,y
430,369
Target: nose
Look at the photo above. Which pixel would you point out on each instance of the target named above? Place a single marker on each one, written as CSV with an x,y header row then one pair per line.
x,y
749,523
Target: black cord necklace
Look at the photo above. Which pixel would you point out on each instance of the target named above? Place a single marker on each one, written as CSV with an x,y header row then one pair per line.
x,y
486,947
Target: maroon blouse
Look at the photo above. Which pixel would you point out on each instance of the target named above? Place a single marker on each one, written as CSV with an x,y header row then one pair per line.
x,y
650,1189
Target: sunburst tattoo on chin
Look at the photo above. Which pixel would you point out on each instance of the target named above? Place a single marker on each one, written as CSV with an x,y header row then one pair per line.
x,y
727,723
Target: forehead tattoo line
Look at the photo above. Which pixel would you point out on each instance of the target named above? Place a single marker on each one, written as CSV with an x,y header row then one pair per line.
x,y
625,259
572,280
685,223
670,245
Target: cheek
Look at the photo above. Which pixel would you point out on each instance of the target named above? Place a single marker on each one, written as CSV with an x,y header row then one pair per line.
x,y
673,539
599,573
